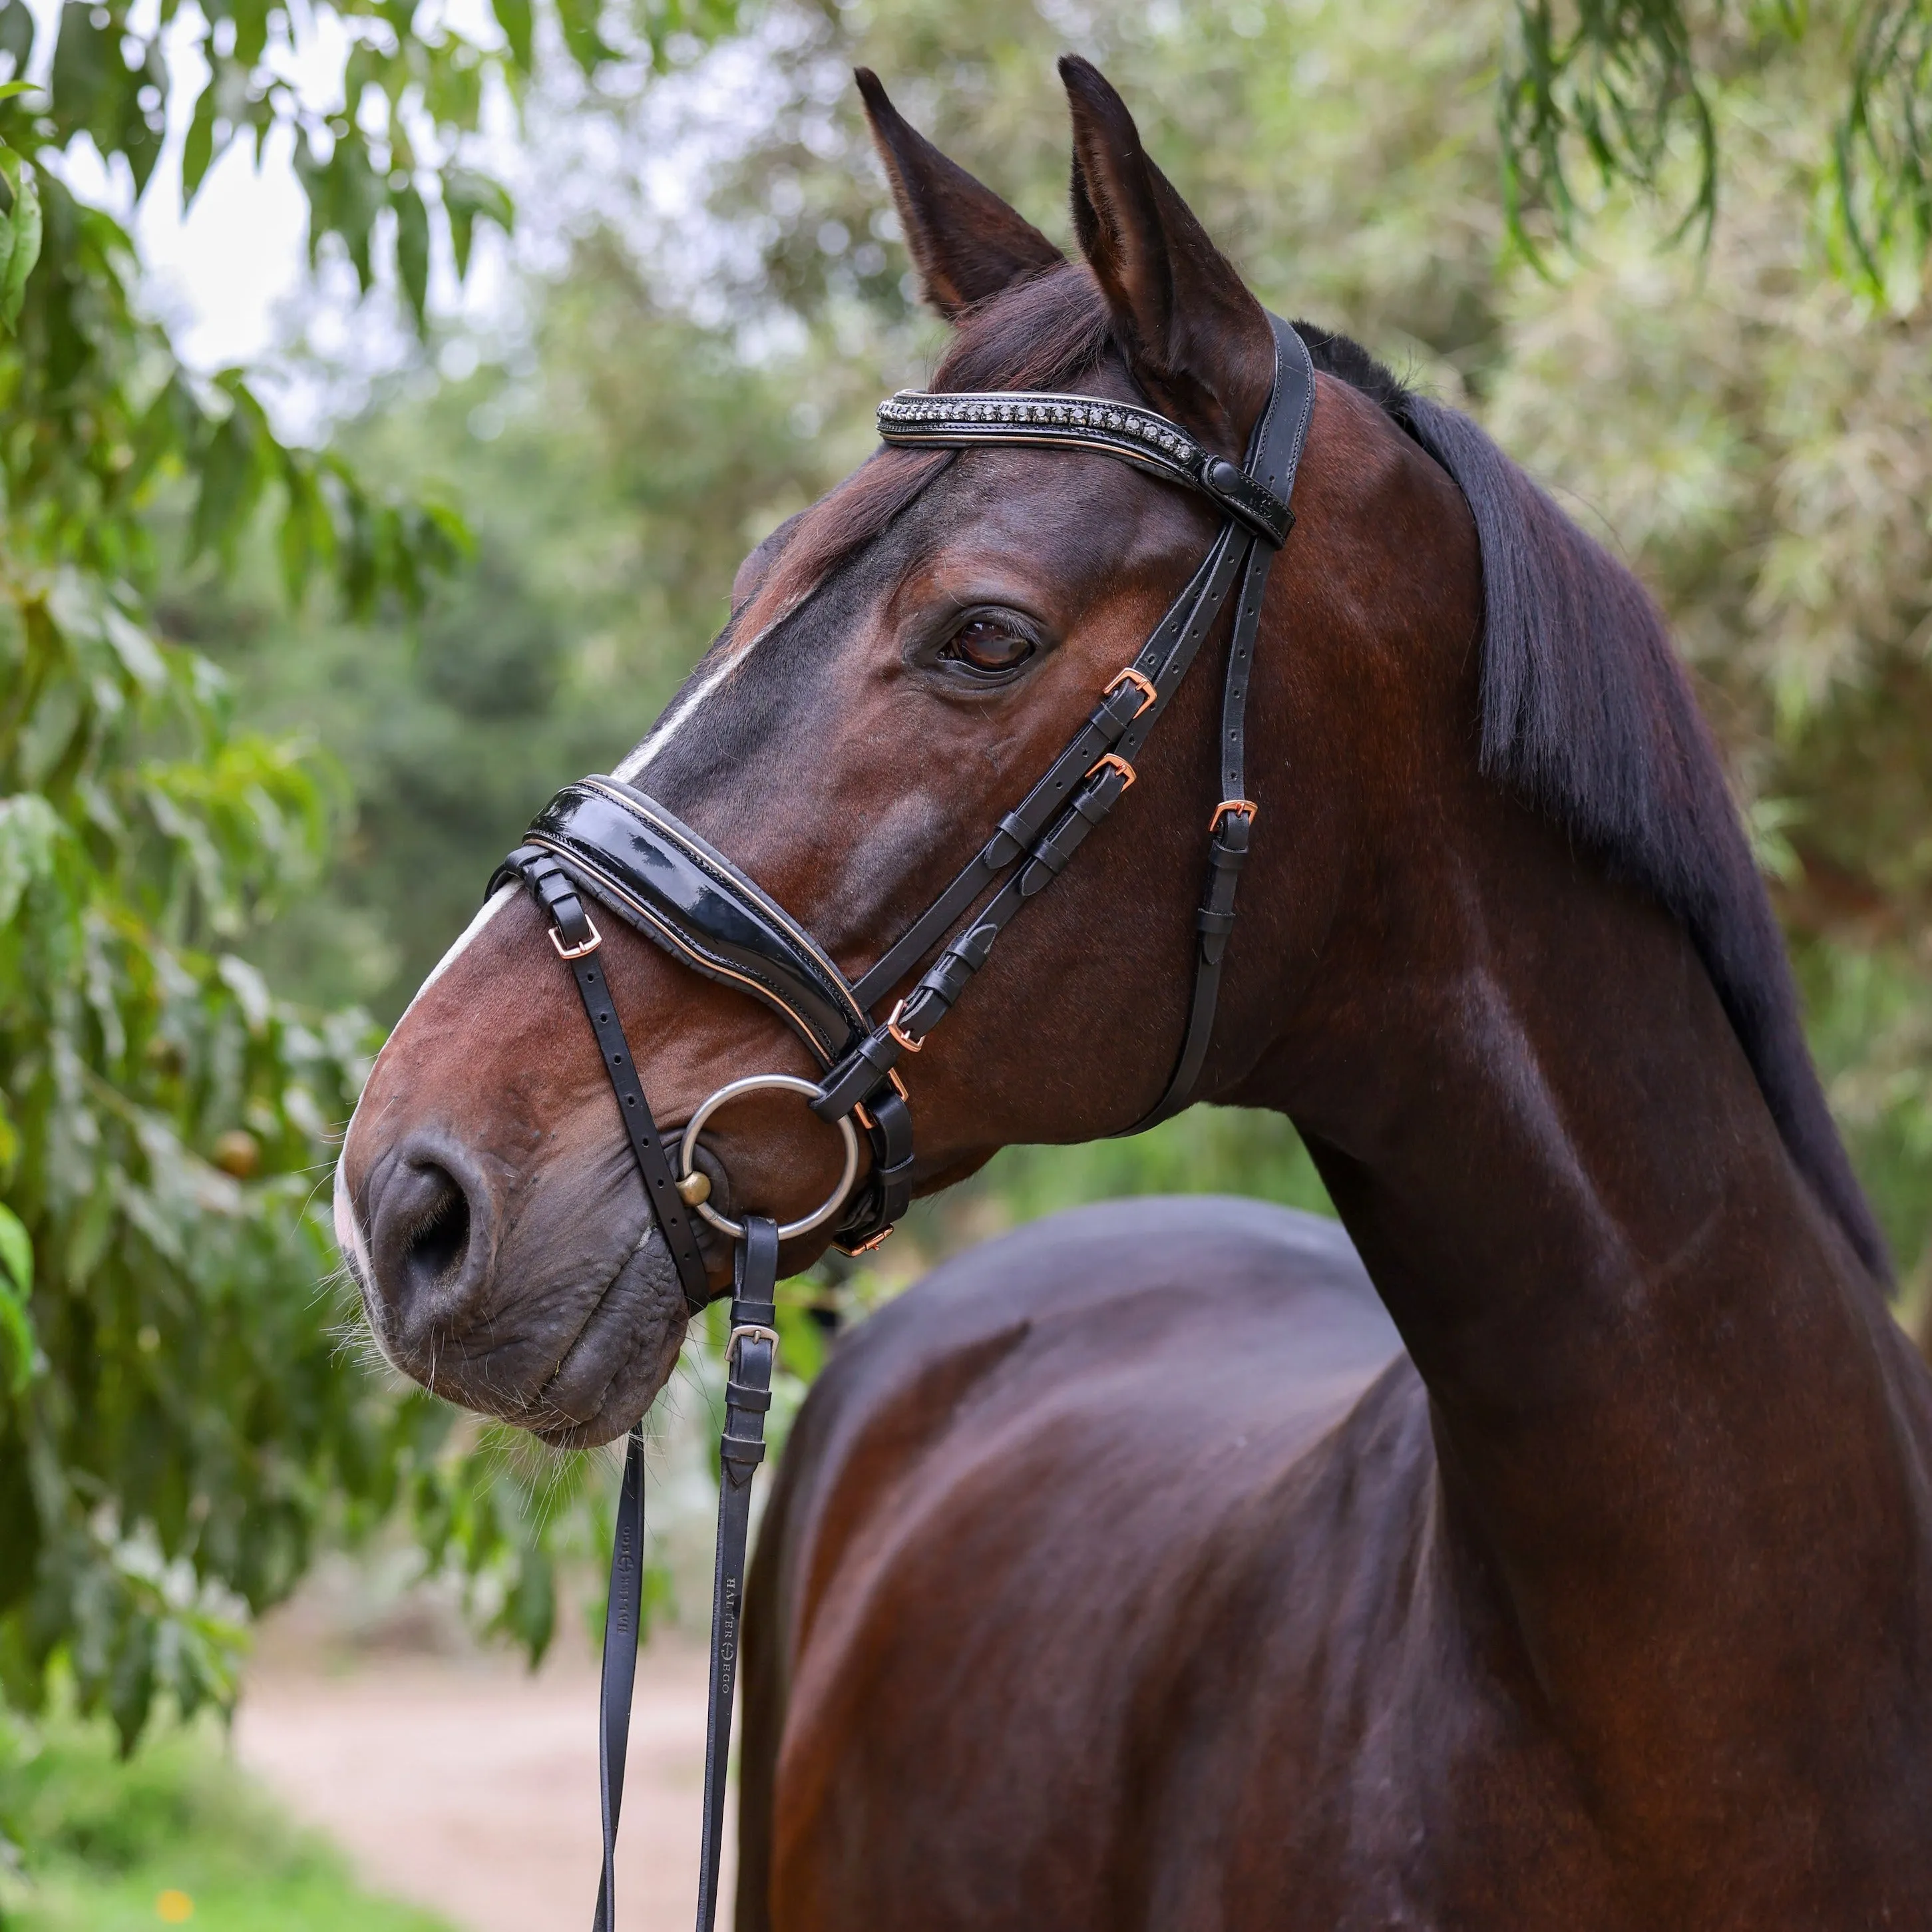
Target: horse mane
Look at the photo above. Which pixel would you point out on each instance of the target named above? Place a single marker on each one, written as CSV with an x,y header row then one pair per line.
x,y
1587,714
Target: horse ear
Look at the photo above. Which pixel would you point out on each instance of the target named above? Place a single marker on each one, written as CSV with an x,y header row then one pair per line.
x,y
965,242
1198,342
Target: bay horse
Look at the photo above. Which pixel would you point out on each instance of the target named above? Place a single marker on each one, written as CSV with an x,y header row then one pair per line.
x,y
1562,1561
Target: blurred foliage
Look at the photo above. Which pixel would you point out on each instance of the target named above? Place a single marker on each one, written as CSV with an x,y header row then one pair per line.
x,y
380,104
173,1415
1629,92
178,1416
99,1841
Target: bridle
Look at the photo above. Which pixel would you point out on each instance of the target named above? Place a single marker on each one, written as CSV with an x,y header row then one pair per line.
x,y
603,841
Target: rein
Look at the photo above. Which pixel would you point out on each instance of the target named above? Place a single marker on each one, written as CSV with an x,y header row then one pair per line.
x,y
603,841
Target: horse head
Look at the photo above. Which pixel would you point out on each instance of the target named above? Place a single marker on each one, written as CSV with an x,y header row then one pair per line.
x,y
901,661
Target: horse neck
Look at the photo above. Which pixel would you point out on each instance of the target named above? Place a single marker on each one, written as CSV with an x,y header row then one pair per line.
x,y
1676,1426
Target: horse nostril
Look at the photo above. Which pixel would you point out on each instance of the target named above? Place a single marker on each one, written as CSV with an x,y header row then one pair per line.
x,y
424,1235
435,1250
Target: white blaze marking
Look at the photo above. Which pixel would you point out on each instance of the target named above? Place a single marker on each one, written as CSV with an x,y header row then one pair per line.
x,y
680,714
485,913
349,1235
668,726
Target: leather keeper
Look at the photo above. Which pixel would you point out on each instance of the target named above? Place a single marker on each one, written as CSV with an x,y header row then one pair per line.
x,y
855,1077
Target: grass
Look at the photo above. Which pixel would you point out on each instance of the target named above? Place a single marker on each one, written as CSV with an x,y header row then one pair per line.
x,y
175,1835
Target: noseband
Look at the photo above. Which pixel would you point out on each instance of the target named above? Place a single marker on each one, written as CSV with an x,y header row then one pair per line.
x,y
602,841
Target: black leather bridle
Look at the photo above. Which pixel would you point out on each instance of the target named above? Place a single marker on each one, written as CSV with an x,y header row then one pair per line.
x,y
602,841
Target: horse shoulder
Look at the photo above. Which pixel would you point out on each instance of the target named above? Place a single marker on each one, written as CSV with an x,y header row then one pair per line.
x,y
1132,1413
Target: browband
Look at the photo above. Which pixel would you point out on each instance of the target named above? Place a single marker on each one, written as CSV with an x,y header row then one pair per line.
x,y
947,420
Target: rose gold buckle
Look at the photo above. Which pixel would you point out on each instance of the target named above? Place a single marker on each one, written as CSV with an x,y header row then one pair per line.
x,y
1228,806
866,1247
1143,685
1119,763
590,945
864,1118
898,1033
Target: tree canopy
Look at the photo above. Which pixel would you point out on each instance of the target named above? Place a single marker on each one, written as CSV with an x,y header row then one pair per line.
x,y
178,1411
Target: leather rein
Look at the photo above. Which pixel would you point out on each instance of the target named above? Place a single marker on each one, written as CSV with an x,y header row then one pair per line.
x,y
602,842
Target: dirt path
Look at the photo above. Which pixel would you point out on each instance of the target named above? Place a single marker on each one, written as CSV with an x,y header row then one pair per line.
x,y
471,1787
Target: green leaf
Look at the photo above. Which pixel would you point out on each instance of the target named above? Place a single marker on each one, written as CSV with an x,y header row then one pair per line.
x,y
16,1252
467,195
580,20
17,1286
514,16
198,150
20,236
16,33
412,252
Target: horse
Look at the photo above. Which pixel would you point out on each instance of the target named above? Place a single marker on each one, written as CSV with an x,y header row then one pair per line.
x,y
1549,1547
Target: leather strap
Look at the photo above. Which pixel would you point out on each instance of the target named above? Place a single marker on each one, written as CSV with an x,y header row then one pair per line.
x,y
956,419
750,1356
1274,456
623,1618
749,1359
578,942
658,875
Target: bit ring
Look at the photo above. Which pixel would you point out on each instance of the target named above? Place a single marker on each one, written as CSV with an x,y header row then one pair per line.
x,y
788,1083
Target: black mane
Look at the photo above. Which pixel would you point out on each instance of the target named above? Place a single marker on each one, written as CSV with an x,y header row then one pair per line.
x,y
1588,715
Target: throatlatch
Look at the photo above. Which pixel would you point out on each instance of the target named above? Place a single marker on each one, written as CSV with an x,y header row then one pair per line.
x,y
604,841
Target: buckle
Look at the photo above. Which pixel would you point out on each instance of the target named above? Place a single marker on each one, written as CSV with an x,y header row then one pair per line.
x,y
751,1331
863,1113
866,1247
590,945
1143,685
899,1033
1119,763
1229,807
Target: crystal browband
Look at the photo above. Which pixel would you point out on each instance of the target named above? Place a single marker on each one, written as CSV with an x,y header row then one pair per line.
x,y
945,421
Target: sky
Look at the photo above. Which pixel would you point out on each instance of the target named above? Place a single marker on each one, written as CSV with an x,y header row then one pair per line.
x,y
230,278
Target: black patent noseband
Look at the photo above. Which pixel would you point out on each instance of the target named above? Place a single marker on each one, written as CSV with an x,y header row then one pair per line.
x,y
603,841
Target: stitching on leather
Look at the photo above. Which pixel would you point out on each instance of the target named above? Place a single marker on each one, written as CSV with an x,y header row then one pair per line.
x,y
706,962
835,983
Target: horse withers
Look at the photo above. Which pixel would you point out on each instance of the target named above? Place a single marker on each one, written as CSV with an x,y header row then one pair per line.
x,y
1602,1603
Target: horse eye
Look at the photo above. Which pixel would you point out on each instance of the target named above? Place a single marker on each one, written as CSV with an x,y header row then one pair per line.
x,y
985,644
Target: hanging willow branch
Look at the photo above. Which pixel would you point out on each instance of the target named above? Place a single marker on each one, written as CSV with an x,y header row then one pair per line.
x,y
1608,86
1618,77
1883,159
